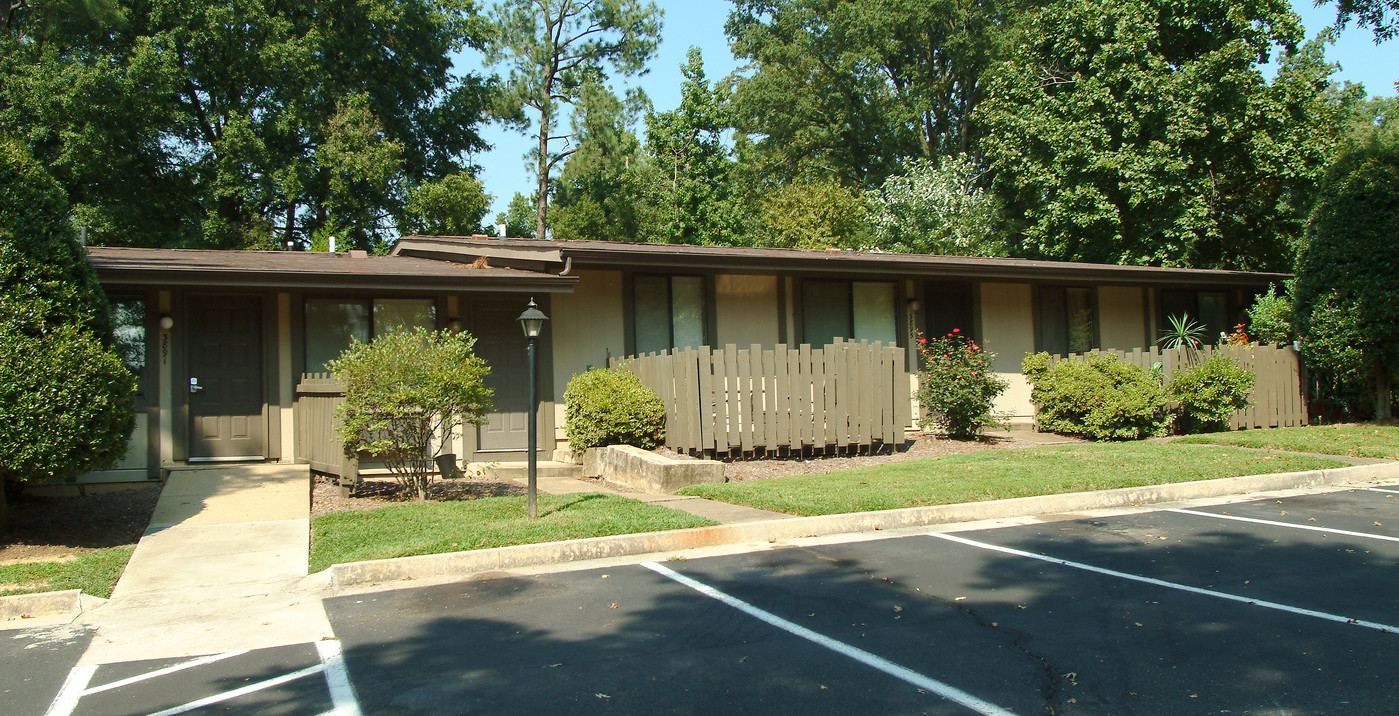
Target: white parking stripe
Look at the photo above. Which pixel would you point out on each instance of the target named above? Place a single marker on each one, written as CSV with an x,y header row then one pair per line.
x,y
908,675
337,678
72,690
1274,523
1170,585
249,689
1376,489
162,672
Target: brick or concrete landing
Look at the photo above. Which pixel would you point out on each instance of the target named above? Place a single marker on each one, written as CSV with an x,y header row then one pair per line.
x,y
222,567
512,471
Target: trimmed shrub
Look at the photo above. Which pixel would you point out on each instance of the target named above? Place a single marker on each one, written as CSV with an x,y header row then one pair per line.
x,y
1099,398
610,406
405,390
1208,394
957,387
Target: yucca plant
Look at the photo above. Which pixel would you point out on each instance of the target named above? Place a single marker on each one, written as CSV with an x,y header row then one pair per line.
x,y
1183,334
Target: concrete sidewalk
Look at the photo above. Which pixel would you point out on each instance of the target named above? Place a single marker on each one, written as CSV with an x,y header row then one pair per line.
x,y
221,568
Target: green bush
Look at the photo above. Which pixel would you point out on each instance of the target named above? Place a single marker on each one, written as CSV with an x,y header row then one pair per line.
x,y
957,386
1208,394
1270,318
406,390
1099,398
610,406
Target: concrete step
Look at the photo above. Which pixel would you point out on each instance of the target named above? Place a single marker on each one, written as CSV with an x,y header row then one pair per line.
x,y
520,470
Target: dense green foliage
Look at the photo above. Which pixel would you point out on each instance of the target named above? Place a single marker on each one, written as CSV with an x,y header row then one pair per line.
x,y
1347,291
458,526
556,50
1142,132
453,205
936,210
1270,318
610,406
957,386
1099,398
406,394
1001,474
66,398
1206,395
254,122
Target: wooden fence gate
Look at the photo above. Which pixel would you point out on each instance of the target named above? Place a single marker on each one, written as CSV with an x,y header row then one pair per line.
x,y
761,401
1278,400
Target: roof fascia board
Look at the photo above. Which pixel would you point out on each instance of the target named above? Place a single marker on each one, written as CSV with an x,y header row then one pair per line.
x,y
552,284
435,248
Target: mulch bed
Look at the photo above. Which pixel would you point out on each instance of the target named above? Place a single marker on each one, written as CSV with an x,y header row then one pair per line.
x,y
54,528
375,492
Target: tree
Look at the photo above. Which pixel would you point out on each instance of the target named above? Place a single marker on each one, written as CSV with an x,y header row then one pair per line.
x,y
897,79
812,215
930,210
453,205
696,192
66,398
1382,16
1142,132
405,392
555,48
247,118
519,216
600,194
1347,294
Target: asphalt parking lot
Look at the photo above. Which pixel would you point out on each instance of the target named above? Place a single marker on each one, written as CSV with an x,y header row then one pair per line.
x,y
1265,607
1160,612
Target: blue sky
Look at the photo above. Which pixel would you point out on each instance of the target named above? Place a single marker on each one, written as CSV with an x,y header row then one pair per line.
x,y
701,23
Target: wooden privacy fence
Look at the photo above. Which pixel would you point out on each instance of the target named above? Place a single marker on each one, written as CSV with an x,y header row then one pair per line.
x,y
317,397
760,401
1278,400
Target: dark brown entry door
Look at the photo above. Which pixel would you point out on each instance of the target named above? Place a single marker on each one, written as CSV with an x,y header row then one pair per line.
x,y
501,342
225,378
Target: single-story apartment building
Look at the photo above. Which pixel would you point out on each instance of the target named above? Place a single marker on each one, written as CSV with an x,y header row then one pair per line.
x,y
221,340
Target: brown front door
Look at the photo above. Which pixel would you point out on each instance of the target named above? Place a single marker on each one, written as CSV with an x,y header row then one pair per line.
x,y
225,378
501,342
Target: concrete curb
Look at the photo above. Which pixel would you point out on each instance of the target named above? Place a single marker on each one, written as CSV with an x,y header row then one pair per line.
x,y
466,563
68,602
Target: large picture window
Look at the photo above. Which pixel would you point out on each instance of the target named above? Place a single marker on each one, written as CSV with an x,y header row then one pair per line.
x,y
857,310
668,312
332,323
950,306
1209,309
1067,320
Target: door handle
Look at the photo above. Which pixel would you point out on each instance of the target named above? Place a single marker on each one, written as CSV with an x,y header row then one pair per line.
x,y
194,386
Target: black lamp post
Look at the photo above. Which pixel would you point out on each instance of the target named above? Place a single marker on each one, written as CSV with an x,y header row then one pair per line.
x,y
532,321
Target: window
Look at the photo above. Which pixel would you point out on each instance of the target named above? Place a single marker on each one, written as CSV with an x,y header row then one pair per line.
x,y
129,335
1210,309
949,306
1066,320
668,312
858,310
332,323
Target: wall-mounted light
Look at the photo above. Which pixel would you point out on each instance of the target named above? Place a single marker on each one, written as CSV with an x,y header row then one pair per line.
x,y
454,325
166,322
913,305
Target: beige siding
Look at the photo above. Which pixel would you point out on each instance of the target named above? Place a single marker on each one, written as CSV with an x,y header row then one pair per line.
x,y
745,310
1007,329
1121,318
587,328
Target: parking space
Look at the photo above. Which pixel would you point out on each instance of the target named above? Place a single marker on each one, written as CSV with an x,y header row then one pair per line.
x,y
289,680
1186,612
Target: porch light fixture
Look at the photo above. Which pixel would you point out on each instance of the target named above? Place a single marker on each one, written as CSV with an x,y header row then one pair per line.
x,y
532,321
166,322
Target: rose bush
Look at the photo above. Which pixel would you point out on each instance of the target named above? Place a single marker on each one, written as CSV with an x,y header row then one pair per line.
x,y
958,385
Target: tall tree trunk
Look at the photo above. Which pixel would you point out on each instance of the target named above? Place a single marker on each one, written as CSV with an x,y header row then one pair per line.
x,y
1383,389
543,204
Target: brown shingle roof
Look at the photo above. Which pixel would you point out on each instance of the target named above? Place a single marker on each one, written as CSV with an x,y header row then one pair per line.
x,y
308,269
620,253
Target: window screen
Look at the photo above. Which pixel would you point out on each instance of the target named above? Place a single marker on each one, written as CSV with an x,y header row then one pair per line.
x,y
825,312
668,312
392,314
874,312
330,326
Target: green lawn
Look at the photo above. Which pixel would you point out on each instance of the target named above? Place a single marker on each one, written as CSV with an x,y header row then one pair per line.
x,y
998,474
436,527
94,572
1379,441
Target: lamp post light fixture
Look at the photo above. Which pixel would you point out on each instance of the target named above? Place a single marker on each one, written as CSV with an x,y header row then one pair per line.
x,y
532,321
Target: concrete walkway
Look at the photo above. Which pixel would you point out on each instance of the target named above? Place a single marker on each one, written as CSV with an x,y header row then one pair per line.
x,y
222,567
